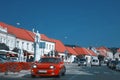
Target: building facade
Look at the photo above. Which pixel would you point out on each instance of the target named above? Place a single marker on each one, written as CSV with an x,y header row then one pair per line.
x,y
24,40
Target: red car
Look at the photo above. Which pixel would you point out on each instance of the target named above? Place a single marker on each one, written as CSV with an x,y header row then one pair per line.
x,y
48,66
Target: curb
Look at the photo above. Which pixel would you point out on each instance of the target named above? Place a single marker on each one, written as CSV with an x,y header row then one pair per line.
x,y
16,74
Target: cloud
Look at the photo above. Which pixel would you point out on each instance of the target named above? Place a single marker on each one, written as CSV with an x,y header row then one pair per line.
x,y
18,23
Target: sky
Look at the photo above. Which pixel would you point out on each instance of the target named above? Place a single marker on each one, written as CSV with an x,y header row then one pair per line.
x,y
76,22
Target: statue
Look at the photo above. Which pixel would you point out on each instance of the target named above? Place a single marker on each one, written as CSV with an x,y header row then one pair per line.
x,y
37,37
36,47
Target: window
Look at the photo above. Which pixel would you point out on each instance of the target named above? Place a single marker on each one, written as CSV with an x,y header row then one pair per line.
x,y
50,46
32,47
17,45
12,42
22,45
4,40
8,42
46,46
28,46
51,60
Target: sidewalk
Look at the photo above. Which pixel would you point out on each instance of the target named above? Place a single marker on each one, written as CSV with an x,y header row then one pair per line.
x,y
16,74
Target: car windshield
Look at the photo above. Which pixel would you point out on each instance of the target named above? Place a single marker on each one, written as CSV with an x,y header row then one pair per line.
x,y
113,61
49,60
95,60
3,58
82,60
14,59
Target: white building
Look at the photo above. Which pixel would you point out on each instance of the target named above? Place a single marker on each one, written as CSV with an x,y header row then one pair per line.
x,y
48,45
117,54
71,54
24,40
8,39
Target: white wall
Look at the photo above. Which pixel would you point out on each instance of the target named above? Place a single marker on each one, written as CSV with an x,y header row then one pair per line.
x,y
110,55
71,58
25,45
89,58
11,39
3,37
6,38
29,46
117,55
49,46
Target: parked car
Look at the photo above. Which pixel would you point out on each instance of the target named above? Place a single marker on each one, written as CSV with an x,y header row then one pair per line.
x,y
112,64
48,66
82,62
95,62
2,60
106,61
14,59
118,66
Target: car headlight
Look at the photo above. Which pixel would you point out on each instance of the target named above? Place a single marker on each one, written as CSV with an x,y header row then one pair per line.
x,y
34,66
84,62
52,67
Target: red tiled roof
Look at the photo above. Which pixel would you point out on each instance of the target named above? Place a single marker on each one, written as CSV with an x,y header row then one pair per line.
x,y
71,50
59,46
45,38
91,52
84,51
30,34
118,50
22,33
102,51
81,51
18,32
103,48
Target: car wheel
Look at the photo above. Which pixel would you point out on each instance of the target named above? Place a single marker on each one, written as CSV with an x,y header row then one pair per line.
x,y
59,75
63,71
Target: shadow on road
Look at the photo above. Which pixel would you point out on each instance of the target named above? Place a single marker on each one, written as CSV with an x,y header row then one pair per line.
x,y
28,76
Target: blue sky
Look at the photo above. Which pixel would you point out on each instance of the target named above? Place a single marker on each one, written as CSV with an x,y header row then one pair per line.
x,y
82,22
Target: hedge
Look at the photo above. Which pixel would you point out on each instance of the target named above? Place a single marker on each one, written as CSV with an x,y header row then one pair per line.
x,y
15,66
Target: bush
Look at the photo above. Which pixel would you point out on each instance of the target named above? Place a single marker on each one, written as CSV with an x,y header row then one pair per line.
x,y
2,67
14,66
25,65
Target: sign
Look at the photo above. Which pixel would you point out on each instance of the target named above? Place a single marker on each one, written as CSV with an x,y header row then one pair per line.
x,y
42,45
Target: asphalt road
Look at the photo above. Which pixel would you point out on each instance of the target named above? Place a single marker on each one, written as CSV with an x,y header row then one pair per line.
x,y
75,72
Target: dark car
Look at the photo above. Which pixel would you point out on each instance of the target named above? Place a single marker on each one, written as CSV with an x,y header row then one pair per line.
x,y
112,64
82,62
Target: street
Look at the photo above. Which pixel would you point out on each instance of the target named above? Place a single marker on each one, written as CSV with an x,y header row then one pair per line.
x,y
75,72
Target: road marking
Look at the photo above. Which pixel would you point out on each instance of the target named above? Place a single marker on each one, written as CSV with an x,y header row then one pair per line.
x,y
96,72
106,72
